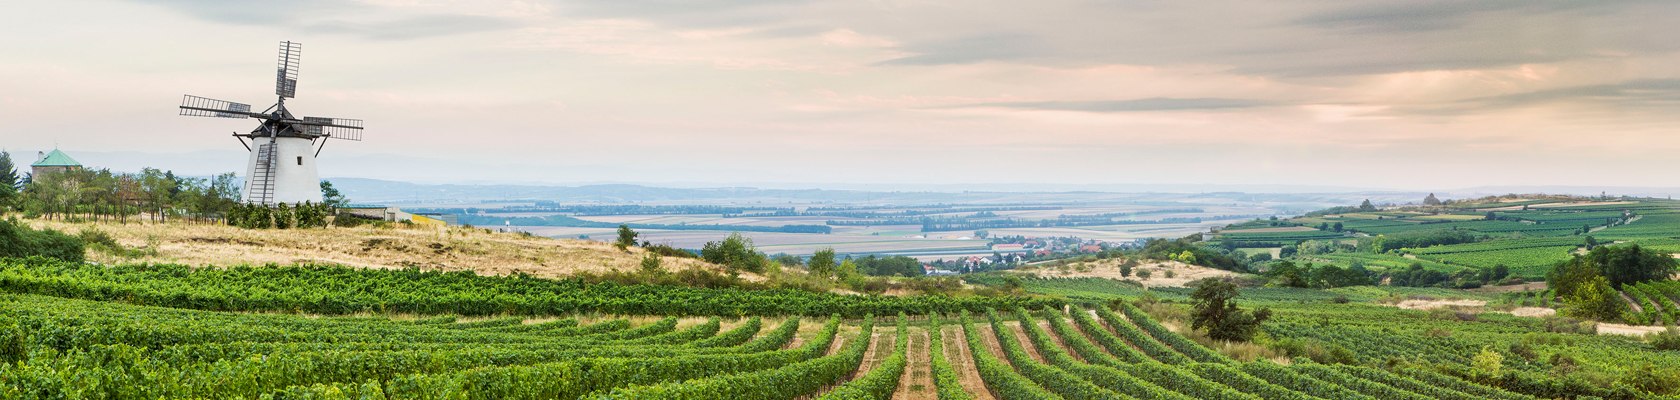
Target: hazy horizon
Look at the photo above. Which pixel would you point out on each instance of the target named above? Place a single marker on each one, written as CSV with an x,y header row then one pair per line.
x,y
1381,95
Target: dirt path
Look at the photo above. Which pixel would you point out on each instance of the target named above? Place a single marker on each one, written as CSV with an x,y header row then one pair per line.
x,y
1668,302
880,346
958,353
917,381
1524,287
1630,330
1021,337
1057,339
1637,308
834,348
1105,324
798,337
990,340
1533,312
1433,304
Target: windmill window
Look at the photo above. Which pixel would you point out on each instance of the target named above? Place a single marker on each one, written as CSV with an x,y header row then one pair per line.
x,y
300,160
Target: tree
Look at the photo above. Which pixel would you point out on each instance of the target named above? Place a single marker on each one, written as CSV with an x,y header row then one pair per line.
x,y
1619,265
1591,242
1126,268
822,263
155,188
848,272
331,196
1287,274
1431,200
1595,299
1629,264
1337,227
736,253
1214,311
626,238
10,183
1367,206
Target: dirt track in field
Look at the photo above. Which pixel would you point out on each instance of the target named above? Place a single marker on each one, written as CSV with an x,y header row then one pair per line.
x,y
962,360
880,347
1057,339
917,381
1021,337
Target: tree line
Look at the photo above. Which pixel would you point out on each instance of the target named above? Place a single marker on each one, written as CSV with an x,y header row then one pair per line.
x,y
152,194
99,194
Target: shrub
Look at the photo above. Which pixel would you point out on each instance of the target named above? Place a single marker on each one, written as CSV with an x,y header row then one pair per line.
x,y
1669,340
1318,351
1559,324
1487,366
651,264
665,250
17,240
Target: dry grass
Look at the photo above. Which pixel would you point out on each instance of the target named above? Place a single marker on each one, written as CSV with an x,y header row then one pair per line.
x,y
1110,269
448,249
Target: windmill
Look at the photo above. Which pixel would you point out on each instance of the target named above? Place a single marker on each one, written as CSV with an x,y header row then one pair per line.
x,y
283,147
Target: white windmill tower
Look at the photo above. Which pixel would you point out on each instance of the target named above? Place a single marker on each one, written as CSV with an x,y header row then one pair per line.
x,y
283,147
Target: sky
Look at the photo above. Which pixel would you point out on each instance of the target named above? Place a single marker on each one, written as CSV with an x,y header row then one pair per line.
x,y
1403,94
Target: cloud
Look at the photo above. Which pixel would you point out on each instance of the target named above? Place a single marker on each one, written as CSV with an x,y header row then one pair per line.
x,y
1135,105
1656,95
688,14
972,49
411,28
1433,15
339,17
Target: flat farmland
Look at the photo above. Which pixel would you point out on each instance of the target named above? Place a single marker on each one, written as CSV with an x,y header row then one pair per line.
x,y
1450,217
1090,216
1273,230
773,243
707,219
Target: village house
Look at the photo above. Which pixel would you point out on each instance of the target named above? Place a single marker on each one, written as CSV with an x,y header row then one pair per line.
x,y
54,162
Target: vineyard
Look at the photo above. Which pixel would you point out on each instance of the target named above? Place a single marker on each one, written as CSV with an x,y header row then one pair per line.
x,y
1527,237
68,331
1526,257
86,349
1653,303
145,331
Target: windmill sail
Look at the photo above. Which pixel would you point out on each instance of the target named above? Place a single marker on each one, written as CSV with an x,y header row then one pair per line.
x,y
336,128
194,106
286,74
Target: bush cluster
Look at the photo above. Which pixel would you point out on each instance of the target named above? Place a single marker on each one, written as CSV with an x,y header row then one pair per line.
x,y
17,240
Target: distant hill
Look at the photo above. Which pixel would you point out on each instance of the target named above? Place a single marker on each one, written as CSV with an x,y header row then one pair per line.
x,y
395,192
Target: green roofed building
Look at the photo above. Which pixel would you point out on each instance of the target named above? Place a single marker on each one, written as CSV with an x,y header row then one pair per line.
x,y
56,161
